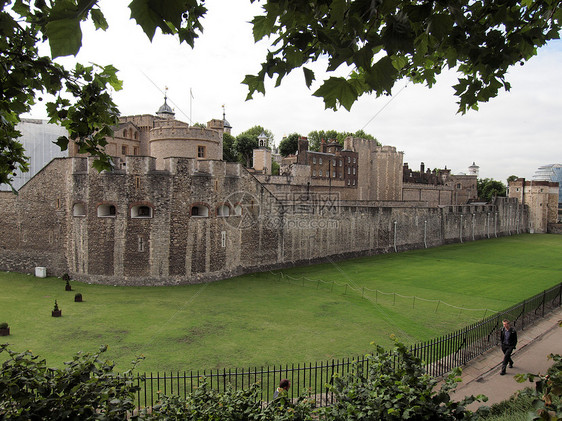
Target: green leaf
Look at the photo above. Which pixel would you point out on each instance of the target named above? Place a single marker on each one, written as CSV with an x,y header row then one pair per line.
x,y
337,90
308,76
145,17
262,26
65,36
99,19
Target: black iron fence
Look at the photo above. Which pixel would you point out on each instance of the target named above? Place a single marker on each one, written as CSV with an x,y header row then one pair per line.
x,y
440,355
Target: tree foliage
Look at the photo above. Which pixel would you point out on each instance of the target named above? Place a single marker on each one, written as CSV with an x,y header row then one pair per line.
x,y
384,41
381,41
255,131
512,178
244,147
315,137
229,153
489,188
289,145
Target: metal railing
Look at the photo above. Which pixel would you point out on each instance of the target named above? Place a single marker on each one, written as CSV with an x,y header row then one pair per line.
x,y
440,356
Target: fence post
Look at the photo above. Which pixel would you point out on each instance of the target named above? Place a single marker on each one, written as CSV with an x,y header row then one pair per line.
x,y
523,318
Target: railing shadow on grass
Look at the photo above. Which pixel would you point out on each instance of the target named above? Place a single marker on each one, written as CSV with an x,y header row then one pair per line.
x,y
440,356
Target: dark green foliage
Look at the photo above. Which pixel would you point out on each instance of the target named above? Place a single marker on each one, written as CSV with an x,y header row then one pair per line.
x,y
547,396
85,389
228,151
244,147
315,137
489,188
512,178
207,404
255,131
289,145
275,168
56,306
386,41
4,325
395,387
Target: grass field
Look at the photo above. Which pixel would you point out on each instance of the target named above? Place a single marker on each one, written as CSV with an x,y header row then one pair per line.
x,y
298,315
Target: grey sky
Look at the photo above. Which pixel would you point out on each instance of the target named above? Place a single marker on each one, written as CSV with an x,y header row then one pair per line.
x,y
513,134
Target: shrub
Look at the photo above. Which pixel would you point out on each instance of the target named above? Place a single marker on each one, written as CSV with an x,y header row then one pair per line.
x,y
56,306
86,388
4,325
66,277
395,387
77,297
547,396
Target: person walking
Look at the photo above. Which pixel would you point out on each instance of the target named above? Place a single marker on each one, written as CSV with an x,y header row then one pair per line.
x,y
508,339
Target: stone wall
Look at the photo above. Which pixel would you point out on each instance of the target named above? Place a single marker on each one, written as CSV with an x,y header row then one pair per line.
x,y
239,226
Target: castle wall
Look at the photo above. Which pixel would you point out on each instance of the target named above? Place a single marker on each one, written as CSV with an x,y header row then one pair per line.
x,y
380,170
433,195
34,223
210,220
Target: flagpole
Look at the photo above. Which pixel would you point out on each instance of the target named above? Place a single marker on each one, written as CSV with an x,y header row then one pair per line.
x,y
190,106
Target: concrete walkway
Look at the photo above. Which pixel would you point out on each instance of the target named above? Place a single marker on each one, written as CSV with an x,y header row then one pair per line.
x,y
482,375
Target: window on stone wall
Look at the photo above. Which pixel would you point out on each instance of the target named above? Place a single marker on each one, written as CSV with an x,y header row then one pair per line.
x,y
136,135
353,171
135,150
223,239
79,209
314,160
320,161
141,211
320,173
237,210
137,182
124,150
201,152
201,211
314,173
348,159
341,162
333,174
459,186
355,160
140,244
106,211
348,170
125,133
333,163
223,210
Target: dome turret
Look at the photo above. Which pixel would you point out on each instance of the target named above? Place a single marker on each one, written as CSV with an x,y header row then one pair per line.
x,y
165,110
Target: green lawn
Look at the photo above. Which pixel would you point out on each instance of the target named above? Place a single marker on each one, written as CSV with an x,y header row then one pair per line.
x,y
305,314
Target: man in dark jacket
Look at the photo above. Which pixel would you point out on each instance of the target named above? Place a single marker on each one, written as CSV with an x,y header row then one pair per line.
x,y
508,339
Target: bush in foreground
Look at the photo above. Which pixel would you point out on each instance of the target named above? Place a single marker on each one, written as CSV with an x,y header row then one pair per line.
x,y
394,388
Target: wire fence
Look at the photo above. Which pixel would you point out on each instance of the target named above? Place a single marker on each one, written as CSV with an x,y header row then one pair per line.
x,y
440,355
379,296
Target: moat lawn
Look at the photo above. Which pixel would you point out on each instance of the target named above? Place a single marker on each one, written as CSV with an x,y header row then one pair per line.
x,y
296,315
